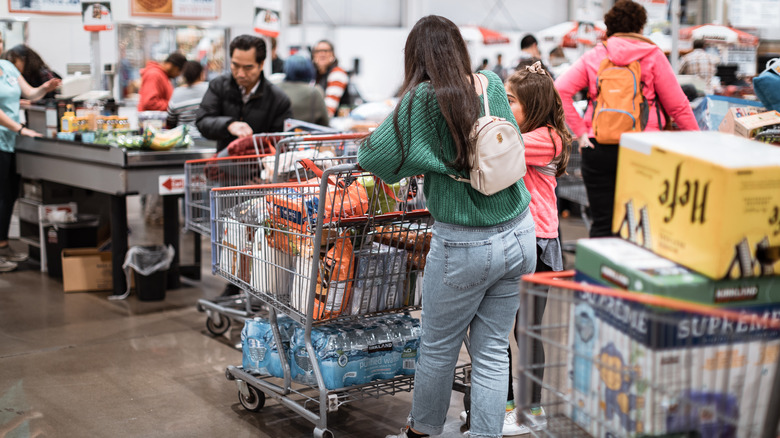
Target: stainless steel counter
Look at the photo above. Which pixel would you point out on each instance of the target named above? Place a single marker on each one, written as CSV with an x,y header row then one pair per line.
x,y
118,173
102,168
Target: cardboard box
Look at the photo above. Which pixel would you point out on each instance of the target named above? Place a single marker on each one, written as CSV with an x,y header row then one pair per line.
x,y
618,263
86,269
707,200
620,385
749,126
728,123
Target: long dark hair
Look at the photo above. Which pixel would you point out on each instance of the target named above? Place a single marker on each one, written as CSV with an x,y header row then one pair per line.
x,y
435,52
33,63
535,90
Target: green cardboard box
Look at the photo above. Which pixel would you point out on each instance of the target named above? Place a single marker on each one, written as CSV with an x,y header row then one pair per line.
x,y
618,263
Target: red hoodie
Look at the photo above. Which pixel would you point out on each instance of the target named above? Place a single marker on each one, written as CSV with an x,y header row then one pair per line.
x,y
156,88
657,76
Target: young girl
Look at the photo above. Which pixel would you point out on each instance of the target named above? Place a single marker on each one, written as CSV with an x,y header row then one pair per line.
x,y
537,108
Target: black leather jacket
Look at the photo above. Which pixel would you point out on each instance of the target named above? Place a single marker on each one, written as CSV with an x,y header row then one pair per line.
x,y
222,105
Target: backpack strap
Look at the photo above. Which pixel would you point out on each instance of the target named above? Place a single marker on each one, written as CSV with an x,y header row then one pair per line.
x,y
483,89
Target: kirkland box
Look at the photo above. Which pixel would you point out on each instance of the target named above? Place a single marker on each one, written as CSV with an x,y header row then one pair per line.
x,y
86,269
707,200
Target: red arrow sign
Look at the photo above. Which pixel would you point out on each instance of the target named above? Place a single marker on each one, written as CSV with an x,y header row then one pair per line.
x,y
168,184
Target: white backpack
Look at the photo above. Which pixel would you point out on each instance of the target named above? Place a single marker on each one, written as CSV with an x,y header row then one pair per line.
x,y
498,160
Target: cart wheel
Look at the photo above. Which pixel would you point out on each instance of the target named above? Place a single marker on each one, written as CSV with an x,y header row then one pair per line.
x,y
323,433
254,402
218,329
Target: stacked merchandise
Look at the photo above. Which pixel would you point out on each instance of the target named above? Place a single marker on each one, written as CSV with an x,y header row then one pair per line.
x,y
348,353
670,358
705,208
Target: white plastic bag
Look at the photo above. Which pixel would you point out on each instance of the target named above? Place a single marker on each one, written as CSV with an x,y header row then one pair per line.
x,y
145,260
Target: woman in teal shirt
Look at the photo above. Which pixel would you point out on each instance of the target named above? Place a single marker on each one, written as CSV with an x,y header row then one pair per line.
x,y
481,245
12,88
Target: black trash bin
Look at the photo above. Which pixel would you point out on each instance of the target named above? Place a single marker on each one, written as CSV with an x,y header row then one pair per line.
x,y
151,287
79,234
151,284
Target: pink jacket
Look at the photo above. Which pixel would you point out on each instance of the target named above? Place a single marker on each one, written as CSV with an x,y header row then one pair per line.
x,y
544,205
657,76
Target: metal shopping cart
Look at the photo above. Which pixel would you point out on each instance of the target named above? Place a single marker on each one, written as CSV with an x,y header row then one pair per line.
x,y
572,188
274,159
338,250
629,364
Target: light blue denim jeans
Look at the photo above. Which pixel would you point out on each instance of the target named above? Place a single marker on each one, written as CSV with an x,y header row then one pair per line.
x,y
472,282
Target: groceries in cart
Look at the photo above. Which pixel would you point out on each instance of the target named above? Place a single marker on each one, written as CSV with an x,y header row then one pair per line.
x,y
354,259
652,348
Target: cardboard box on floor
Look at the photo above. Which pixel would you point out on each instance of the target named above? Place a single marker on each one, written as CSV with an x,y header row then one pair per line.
x,y
706,200
86,269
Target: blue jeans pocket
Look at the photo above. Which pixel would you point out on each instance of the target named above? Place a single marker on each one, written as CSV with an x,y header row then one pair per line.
x,y
526,238
467,264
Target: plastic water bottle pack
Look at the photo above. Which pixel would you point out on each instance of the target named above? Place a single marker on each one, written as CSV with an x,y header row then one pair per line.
x,y
348,353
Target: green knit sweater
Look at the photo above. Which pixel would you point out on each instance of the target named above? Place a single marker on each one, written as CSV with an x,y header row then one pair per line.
x,y
430,147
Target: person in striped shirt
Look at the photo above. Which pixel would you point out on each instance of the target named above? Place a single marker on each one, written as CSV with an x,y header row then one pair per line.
x,y
186,99
332,78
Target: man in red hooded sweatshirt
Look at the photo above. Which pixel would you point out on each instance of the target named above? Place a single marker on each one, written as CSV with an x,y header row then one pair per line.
x,y
156,87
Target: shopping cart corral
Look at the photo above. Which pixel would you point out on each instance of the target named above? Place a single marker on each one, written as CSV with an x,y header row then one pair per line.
x,y
338,260
629,364
274,159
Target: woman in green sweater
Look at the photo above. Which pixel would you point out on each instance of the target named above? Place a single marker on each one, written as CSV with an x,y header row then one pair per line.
x,y
481,245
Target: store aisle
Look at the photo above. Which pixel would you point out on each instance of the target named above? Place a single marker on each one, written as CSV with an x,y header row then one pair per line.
x,y
78,365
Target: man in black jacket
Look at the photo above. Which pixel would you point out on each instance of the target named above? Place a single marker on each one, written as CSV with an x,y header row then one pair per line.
x,y
244,102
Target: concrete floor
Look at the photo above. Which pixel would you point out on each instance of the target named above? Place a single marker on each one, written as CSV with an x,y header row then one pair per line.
x,y
79,365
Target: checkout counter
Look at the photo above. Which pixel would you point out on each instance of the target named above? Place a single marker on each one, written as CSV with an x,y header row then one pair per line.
x,y
118,173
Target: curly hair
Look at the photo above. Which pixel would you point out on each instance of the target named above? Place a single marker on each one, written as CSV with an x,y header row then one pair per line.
x,y
626,16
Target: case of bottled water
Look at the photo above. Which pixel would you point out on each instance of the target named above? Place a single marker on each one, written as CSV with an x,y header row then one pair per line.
x,y
355,353
260,352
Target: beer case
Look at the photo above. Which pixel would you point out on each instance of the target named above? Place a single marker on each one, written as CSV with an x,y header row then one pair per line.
x,y
706,200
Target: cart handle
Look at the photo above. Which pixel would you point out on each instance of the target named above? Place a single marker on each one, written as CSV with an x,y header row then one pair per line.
x,y
563,280
233,157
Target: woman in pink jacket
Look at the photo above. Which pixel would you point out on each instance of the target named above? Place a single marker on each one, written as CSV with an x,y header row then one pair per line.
x,y
624,45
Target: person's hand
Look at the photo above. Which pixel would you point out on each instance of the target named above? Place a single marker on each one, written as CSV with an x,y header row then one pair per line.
x,y
51,84
584,141
25,102
27,132
240,129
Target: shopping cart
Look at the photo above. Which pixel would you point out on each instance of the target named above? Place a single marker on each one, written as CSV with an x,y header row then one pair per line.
x,y
629,364
337,250
572,188
272,161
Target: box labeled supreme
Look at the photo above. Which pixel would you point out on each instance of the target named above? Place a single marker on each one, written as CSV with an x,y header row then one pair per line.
x,y
86,269
706,200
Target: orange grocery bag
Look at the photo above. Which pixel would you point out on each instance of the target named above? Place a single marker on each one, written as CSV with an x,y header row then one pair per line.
x,y
334,281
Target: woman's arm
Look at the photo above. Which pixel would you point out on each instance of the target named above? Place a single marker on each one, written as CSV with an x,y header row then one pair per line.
x,y
671,96
37,93
16,126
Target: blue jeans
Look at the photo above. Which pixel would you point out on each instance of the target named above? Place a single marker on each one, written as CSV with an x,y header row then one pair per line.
x,y
472,277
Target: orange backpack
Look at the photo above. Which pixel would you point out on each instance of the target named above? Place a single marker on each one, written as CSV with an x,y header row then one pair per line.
x,y
620,105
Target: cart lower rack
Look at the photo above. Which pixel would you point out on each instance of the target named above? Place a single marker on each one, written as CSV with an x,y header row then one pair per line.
x,y
629,364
